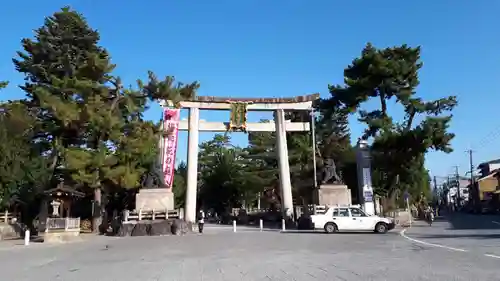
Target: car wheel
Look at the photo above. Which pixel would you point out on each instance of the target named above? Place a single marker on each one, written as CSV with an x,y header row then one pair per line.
x,y
331,227
381,227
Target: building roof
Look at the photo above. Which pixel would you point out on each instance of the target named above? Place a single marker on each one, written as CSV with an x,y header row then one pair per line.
x,y
496,173
64,190
492,174
495,161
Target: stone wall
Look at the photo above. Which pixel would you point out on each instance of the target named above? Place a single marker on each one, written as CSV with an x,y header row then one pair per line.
x,y
153,228
154,199
333,194
402,218
10,230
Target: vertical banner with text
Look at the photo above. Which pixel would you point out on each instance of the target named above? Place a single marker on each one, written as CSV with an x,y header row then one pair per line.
x,y
171,118
367,186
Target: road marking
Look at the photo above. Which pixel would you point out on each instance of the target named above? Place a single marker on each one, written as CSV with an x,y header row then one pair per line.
x,y
495,222
492,256
402,233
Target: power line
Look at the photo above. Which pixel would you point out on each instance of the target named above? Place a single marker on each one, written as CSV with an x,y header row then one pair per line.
x,y
492,135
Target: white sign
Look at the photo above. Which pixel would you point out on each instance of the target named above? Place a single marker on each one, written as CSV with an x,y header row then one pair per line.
x,y
367,179
367,185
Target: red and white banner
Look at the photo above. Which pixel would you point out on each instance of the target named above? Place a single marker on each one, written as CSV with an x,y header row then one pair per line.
x,y
171,118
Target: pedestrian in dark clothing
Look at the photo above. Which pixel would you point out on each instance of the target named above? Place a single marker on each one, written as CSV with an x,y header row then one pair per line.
x,y
201,221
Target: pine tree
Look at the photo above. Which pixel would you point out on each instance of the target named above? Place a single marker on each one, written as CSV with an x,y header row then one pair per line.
x,y
180,185
262,156
332,131
399,147
66,74
64,68
23,171
227,176
333,140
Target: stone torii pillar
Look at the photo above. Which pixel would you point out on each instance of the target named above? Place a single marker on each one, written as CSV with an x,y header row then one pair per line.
x,y
283,164
192,165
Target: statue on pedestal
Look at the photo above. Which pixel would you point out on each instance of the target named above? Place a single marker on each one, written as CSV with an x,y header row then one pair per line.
x,y
330,172
153,178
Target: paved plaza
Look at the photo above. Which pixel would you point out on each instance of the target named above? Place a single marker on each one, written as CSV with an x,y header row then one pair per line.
x,y
219,254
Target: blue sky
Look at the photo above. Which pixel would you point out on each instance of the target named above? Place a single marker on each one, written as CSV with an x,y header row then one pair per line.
x,y
284,48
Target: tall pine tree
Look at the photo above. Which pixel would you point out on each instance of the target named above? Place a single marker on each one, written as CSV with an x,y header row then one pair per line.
x,y
66,73
399,147
23,169
64,68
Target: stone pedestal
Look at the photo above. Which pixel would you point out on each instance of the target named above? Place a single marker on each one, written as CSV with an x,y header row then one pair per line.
x,y
154,199
333,194
9,230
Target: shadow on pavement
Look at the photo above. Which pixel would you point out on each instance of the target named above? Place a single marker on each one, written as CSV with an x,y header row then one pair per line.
x,y
419,225
294,231
471,221
444,236
336,233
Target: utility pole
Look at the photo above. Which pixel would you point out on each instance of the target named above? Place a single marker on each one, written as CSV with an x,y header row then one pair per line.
x,y
313,140
472,181
436,190
448,186
457,176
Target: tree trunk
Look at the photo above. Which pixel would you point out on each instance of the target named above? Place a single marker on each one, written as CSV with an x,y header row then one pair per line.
x,y
97,211
43,214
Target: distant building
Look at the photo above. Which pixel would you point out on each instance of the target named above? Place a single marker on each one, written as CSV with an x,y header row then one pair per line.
x,y
464,185
487,168
487,183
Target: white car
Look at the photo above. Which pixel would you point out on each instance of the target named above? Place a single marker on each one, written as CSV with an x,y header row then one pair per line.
x,y
350,219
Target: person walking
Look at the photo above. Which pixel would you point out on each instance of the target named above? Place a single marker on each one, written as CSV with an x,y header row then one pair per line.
x,y
201,221
429,215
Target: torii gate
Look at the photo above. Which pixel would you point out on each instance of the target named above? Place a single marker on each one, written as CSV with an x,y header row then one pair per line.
x,y
280,126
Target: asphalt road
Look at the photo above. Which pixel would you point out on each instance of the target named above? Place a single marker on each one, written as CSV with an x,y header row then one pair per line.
x,y
463,248
477,235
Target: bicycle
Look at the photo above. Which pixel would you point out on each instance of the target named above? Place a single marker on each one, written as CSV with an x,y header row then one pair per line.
x,y
430,218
